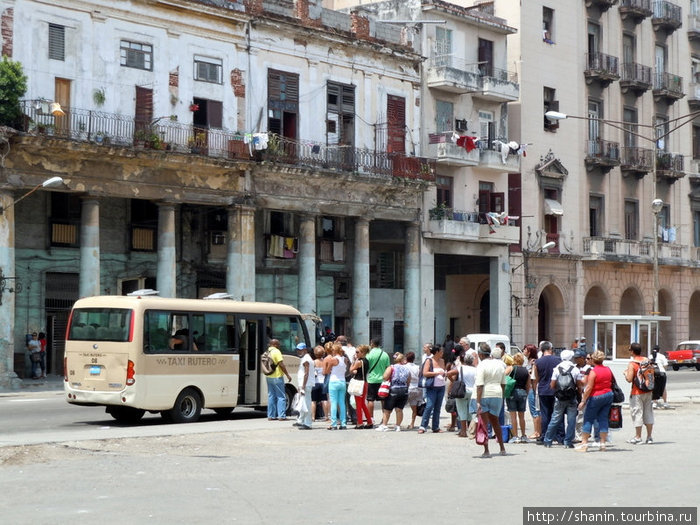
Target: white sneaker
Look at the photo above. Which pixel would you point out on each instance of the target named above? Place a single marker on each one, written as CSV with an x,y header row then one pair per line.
x,y
397,429
382,428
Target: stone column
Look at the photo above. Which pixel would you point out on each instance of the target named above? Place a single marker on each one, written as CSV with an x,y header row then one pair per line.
x,y
89,248
411,295
427,298
240,263
8,378
166,276
307,267
499,294
360,283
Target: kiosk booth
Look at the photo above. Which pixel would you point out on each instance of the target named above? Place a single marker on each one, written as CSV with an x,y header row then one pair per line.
x,y
613,334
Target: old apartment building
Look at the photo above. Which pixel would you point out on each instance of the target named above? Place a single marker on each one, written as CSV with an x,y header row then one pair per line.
x,y
263,148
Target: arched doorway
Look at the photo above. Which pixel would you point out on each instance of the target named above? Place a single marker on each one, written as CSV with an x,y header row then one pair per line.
x,y
694,316
551,321
485,318
631,302
596,303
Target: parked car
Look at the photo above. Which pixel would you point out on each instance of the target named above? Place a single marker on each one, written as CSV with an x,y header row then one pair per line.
x,y
491,339
687,353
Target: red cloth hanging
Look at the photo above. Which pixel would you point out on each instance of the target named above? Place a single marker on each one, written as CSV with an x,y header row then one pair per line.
x,y
467,143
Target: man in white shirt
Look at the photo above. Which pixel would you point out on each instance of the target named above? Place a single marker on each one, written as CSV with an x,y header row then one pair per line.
x,y
305,381
661,363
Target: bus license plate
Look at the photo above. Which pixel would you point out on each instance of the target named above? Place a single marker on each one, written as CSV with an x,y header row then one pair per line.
x,y
95,370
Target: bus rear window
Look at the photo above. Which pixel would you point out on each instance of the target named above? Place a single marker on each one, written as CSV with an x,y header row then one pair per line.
x,y
100,324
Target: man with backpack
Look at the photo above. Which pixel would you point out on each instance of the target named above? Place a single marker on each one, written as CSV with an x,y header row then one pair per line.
x,y
640,372
564,383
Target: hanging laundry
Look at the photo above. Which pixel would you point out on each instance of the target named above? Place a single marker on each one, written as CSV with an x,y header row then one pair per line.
x,y
315,148
276,247
467,143
437,138
338,251
260,141
672,234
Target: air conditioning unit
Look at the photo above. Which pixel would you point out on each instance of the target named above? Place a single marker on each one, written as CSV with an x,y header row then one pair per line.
x,y
461,125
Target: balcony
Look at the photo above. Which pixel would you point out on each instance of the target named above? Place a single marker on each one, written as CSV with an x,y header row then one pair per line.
x,y
666,16
456,75
615,248
636,78
497,85
165,136
694,27
636,10
694,96
450,154
603,5
602,68
454,225
669,167
668,87
498,157
636,161
602,154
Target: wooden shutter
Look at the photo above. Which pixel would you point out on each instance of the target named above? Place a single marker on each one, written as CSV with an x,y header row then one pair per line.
x,y
143,113
515,201
215,114
57,42
396,124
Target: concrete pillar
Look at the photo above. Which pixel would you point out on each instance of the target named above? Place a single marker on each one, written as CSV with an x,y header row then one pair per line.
x,y
8,378
412,289
89,248
360,283
499,294
240,264
307,268
427,298
166,276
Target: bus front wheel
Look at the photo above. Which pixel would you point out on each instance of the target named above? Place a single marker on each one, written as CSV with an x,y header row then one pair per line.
x,y
187,408
125,414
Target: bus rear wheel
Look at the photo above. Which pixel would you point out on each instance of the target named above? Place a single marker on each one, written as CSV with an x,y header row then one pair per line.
x,y
187,408
125,414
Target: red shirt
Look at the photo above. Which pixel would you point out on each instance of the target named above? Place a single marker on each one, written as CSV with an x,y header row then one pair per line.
x,y
603,380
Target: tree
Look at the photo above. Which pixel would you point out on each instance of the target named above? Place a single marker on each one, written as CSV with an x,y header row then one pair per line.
x,y
13,86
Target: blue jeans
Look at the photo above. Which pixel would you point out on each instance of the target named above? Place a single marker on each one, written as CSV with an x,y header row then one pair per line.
x,y
434,396
561,408
597,411
276,400
336,391
534,412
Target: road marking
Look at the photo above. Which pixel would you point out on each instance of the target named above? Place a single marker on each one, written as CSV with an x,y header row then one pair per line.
x,y
30,400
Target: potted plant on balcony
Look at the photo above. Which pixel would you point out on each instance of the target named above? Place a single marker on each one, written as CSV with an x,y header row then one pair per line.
x,y
102,137
440,212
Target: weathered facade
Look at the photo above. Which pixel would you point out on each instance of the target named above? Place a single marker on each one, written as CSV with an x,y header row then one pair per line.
x,y
628,68
261,148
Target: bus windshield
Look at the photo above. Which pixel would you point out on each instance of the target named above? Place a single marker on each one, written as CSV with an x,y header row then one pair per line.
x,y
100,324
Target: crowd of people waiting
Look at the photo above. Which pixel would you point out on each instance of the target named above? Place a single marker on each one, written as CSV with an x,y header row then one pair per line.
x,y
569,396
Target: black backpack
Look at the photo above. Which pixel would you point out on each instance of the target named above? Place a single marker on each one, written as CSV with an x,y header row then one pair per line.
x,y
566,385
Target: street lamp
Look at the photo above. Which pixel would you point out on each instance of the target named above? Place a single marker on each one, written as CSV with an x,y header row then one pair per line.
x,y
657,204
48,183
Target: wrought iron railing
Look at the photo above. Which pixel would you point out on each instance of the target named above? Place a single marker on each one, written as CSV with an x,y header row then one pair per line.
x,y
601,63
637,158
668,82
167,134
633,72
603,149
667,11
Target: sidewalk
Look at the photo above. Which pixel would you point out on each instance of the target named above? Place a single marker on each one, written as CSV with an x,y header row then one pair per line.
x,y
51,383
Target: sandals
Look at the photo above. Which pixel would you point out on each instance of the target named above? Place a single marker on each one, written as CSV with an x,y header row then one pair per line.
x,y
421,431
332,428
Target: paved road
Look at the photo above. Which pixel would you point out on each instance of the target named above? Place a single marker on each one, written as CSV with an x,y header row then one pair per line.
x,y
84,469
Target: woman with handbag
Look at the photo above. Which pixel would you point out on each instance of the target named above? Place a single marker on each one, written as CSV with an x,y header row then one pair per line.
x,y
518,400
433,376
596,401
465,373
400,377
359,370
317,394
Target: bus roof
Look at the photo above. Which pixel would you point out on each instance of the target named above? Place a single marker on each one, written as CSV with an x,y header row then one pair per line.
x,y
173,303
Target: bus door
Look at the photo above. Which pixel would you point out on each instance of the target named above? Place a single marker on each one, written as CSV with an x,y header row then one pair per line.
x,y
250,343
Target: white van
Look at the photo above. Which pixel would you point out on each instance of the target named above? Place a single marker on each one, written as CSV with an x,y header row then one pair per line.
x,y
491,339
